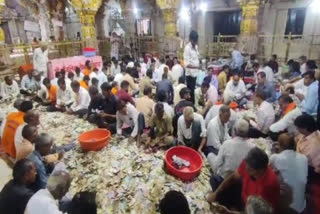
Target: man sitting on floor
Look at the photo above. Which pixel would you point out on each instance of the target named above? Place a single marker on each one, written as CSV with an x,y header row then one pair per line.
x,y
289,112
31,118
257,179
81,101
109,108
177,89
45,200
292,170
265,116
16,193
84,83
145,105
231,153
217,131
48,93
191,129
161,128
27,84
236,89
12,122
65,96
26,147
128,114
9,88
267,87
123,93
205,97
95,107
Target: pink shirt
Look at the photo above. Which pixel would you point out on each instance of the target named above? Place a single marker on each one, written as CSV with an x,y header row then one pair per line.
x,y
212,95
310,147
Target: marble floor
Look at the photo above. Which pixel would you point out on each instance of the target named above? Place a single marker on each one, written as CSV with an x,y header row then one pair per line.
x,y
5,173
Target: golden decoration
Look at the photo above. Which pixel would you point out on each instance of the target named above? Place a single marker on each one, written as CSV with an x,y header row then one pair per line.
x,y
249,23
86,10
2,36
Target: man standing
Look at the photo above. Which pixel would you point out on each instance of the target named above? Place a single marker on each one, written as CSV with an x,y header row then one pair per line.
x,y
40,60
192,62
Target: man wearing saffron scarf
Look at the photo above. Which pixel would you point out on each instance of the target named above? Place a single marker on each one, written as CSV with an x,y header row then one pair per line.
x,y
289,112
13,121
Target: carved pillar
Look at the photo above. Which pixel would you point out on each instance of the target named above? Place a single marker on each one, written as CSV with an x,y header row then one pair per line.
x,y
2,36
171,43
249,26
87,10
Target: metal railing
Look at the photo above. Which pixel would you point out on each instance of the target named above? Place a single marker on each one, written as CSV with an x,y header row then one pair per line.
x,y
286,47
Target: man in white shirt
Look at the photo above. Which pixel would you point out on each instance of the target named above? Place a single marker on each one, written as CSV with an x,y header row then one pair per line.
x,y
115,67
9,88
31,118
237,59
265,116
54,81
162,98
40,60
214,111
192,62
81,100
65,96
46,200
177,89
289,112
128,115
236,89
303,64
231,154
205,97
292,170
176,71
217,131
101,77
79,75
191,129
27,84
269,73
144,66
160,70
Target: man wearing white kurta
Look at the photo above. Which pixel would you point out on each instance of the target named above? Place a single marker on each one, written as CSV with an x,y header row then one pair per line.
x,y
46,200
9,88
218,131
192,62
40,60
81,100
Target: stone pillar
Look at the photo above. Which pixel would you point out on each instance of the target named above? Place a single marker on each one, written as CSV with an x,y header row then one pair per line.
x,y
171,44
86,10
249,27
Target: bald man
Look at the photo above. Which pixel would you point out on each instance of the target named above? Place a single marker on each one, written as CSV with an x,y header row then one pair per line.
x,y
31,118
44,201
292,168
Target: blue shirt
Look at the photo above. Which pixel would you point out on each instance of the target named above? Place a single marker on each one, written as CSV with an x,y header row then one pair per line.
x,y
269,90
42,176
166,85
310,102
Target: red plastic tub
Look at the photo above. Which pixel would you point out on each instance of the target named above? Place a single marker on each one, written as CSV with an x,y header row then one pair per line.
x,y
186,153
94,140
